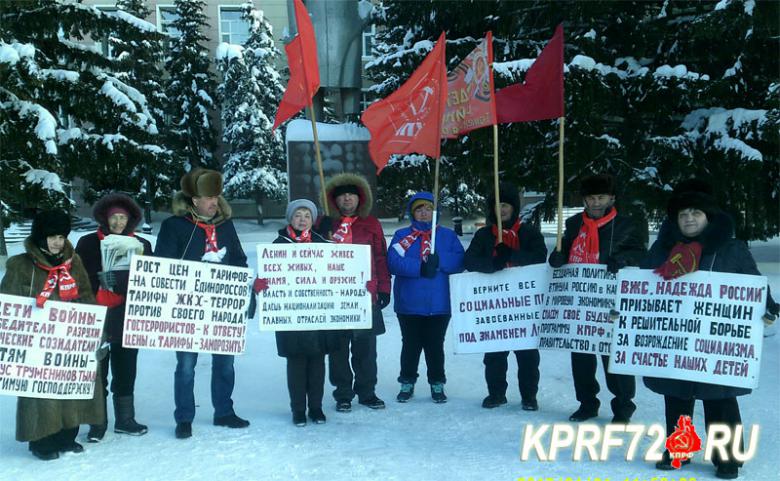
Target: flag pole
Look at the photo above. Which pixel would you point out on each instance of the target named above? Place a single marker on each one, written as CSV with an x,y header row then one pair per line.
x,y
558,246
435,204
495,184
319,159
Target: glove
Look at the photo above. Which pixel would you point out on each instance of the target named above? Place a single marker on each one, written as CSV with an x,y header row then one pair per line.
x,y
428,267
769,318
250,312
371,286
102,351
557,259
383,299
502,257
614,265
324,227
259,285
107,280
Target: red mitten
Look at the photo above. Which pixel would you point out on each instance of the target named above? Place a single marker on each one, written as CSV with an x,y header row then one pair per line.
x,y
109,299
259,285
683,259
371,286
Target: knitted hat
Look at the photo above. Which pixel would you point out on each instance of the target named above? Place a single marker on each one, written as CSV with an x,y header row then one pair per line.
x,y
597,184
300,204
48,223
200,182
345,189
421,202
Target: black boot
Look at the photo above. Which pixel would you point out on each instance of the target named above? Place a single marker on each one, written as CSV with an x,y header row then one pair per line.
x,y
96,432
124,412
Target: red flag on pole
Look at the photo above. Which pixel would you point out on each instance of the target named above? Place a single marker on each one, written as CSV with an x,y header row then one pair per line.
x,y
540,97
409,119
304,70
471,103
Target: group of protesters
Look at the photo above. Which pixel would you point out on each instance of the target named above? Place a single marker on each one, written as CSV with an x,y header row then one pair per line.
x,y
697,235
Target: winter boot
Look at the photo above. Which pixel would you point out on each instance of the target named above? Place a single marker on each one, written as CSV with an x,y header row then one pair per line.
x,y
317,416
96,432
494,401
406,393
299,418
437,393
124,412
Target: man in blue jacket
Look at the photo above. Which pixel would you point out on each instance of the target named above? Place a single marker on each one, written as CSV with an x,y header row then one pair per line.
x,y
201,230
422,294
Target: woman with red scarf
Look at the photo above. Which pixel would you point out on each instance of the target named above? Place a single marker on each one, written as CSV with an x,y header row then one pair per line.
x,y
305,350
522,245
422,294
697,235
117,215
51,270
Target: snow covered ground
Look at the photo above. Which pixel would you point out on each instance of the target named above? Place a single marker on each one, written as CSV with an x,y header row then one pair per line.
x,y
415,441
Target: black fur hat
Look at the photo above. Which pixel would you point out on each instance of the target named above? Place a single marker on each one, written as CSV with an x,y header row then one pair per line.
x,y
47,223
117,199
692,193
597,184
508,194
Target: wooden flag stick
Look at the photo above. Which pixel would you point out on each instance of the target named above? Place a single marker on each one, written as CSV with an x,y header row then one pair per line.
x,y
319,160
435,205
495,184
560,185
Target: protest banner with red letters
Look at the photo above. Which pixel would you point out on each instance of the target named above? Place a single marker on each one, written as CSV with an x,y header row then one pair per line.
x,y
314,287
576,312
704,326
499,311
179,305
49,352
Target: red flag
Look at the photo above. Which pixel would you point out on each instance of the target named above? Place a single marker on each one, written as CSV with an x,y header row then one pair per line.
x,y
540,97
409,119
471,103
304,70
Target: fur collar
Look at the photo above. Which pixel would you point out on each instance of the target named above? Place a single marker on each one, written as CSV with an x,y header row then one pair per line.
x,y
364,193
35,252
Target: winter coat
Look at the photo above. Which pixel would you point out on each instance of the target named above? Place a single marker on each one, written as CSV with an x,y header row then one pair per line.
x,y
179,238
37,418
414,294
365,230
479,255
622,239
721,252
88,248
308,343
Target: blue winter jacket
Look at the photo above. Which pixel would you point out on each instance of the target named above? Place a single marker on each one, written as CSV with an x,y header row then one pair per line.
x,y
412,293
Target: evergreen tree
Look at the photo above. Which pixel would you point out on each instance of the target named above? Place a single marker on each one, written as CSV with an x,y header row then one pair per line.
x,y
190,88
250,92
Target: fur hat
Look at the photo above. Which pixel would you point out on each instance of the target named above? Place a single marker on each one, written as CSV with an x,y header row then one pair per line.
x,y
692,194
200,182
597,184
300,204
108,202
47,223
507,194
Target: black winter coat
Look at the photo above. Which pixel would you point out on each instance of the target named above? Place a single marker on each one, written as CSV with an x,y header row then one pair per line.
x,y
721,252
308,343
88,248
622,239
479,255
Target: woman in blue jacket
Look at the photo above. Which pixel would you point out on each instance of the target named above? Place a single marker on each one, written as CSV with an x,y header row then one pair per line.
x,y
422,294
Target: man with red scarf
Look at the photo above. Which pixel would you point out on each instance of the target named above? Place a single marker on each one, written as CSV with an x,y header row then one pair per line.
x,y
349,200
600,235
201,230
521,245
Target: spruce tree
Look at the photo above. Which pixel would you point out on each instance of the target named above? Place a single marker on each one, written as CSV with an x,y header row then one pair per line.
x,y
190,88
250,92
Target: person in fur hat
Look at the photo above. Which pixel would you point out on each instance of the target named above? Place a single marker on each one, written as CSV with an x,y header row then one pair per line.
x,y
305,350
200,229
600,235
698,235
117,216
422,294
50,269
349,199
522,244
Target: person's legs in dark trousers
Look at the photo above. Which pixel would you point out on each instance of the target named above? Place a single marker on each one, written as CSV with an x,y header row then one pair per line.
x,y
724,411
528,373
623,388
586,387
675,407
433,332
411,347
315,381
123,369
340,372
364,365
495,373
223,379
184,386
296,382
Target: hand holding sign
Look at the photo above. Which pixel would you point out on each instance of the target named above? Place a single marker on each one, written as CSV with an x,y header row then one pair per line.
x,y
259,285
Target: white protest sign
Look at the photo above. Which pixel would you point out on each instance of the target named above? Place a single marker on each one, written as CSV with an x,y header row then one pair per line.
x,y
703,327
500,311
314,286
190,306
49,352
576,313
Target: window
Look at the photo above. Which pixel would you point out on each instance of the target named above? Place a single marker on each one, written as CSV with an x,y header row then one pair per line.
x,y
366,99
369,32
232,27
103,44
165,17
